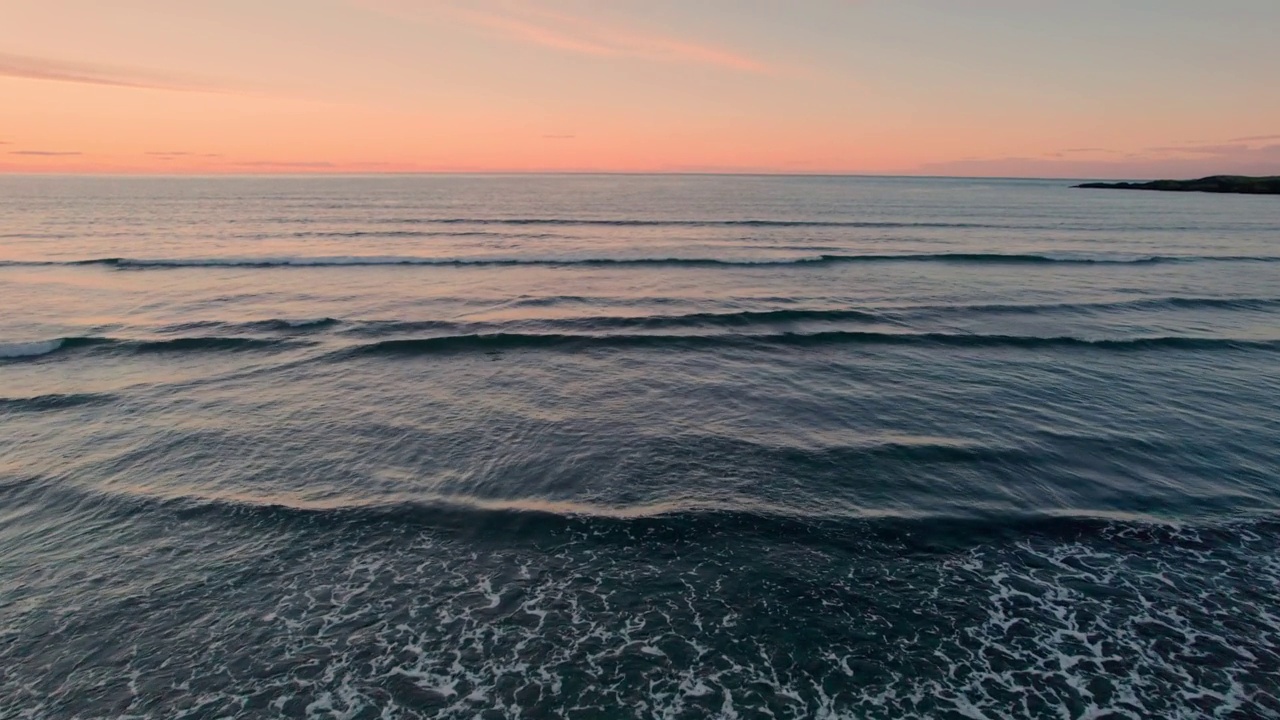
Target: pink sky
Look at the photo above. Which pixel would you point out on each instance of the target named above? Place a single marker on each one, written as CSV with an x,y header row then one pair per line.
x,y
1087,88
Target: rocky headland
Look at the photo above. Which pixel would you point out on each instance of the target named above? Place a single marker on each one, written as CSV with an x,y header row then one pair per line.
x,y
1213,184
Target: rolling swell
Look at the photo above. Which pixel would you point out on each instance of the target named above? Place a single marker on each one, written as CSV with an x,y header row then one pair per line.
x,y
53,401
746,318
27,351
729,319
497,342
271,325
18,350
482,261
864,532
1161,303
638,222
284,325
202,344
409,234
887,532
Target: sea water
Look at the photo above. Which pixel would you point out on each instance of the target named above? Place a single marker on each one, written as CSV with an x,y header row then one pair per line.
x,y
629,446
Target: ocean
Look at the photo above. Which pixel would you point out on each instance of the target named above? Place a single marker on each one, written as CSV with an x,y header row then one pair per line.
x,y
636,446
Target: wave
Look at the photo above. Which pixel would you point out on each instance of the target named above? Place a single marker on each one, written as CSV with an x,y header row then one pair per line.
x,y
206,344
376,328
286,324
53,401
413,234
1049,258
1161,303
20,351
280,325
34,236
586,325
10,351
374,261
614,322
727,319
825,259
497,342
639,222
543,518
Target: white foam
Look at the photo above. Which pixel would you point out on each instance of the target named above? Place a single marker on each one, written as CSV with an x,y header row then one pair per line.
x,y
1101,257
475,630
306,322
29,349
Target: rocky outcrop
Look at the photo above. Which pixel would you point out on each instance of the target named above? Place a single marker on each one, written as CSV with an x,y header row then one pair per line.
x,y
1213,184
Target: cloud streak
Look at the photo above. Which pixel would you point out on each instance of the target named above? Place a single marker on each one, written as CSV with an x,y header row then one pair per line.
x,y
26,67
45,153
1152,163
174,154
531,24
283,164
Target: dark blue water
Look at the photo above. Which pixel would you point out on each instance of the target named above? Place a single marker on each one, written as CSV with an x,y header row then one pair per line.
x,y
653,447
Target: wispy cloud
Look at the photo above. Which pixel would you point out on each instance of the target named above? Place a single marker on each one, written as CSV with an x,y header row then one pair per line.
x,y
283,164
559,137
1256,138
1196,149
45,153
34,68
532,23
1156,162
173,154
320,166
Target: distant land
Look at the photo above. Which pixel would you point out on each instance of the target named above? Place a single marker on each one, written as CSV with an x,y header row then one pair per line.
x,y
1212,184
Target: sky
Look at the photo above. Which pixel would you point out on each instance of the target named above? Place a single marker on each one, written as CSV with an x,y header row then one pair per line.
x,y
1010,88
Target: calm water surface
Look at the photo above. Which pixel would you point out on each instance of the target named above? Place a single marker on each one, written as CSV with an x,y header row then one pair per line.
x,y
652,447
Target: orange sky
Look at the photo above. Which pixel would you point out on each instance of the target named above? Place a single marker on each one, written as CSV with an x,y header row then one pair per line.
x,y
981,87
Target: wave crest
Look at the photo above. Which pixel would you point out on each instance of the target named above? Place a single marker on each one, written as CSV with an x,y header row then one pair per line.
x,y
29,349
550,517
496,342
825,259
53,402
19,351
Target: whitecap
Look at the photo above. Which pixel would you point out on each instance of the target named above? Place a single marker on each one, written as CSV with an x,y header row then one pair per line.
x,y
29,349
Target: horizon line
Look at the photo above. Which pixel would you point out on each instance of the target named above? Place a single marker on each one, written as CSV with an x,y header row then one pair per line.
x,y
513,173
